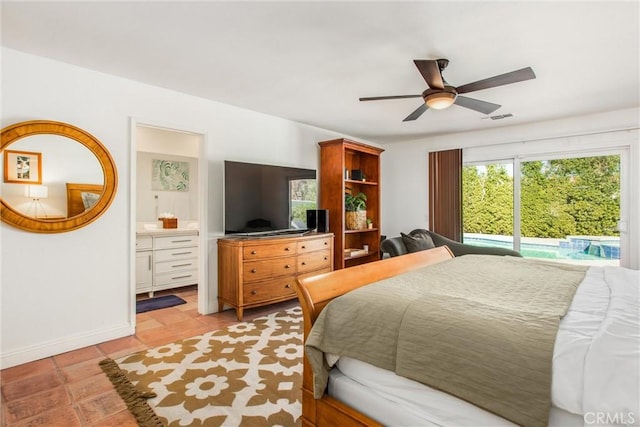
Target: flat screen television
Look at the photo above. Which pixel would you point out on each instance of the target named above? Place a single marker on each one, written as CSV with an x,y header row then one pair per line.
x,y
264,199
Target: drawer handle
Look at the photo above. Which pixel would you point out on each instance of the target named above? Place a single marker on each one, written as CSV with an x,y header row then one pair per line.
x,y
304,263
180,241
181,277
253,252
304,247
254,292
181,265
325,258
182,253
287,266
287,249
287,285
325,243
253,270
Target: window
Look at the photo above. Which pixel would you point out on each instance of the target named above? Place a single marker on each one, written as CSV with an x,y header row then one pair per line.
x,y
303,195
487,204
564,209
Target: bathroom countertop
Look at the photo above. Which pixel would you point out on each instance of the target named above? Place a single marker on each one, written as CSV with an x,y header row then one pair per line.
x,y
152,229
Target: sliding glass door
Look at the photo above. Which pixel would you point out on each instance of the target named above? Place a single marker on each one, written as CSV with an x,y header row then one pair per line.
x,y
570,208
561,209
487,204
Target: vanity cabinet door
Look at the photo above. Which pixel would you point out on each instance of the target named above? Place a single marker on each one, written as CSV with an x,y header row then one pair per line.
x,y
144,271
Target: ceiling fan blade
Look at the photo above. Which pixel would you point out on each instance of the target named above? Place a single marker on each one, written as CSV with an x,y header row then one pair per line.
x,y
378,98
430,72
477,105
417,113
502,79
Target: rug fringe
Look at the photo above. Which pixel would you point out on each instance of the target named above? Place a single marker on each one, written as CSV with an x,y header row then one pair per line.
x,y
135,400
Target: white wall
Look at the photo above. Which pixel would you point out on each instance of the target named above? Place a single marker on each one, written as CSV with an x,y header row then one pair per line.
x,y
65,291
405,165
156,140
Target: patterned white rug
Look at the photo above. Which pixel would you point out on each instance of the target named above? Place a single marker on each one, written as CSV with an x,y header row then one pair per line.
x,y
249,374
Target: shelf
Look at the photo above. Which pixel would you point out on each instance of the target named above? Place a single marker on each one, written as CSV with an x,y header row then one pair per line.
x,y
363,230
359,256
352,181
362,259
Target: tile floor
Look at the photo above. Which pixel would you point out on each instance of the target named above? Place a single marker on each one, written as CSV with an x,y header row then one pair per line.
x,y
71,390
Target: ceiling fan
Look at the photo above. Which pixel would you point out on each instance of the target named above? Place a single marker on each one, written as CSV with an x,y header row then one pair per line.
x,y
441,94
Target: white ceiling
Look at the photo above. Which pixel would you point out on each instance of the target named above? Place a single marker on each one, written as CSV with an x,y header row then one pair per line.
x,y
311,61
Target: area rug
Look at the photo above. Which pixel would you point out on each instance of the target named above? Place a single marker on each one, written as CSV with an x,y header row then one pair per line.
x,y
156,303
248,374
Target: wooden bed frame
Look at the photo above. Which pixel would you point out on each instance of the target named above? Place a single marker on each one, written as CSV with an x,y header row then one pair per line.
x,y
74,196
315,293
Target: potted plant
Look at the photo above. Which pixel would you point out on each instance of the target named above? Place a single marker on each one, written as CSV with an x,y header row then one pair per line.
x,y
369,223
355,206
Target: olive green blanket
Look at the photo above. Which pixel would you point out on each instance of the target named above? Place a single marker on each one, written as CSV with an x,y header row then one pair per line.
x,y
479,327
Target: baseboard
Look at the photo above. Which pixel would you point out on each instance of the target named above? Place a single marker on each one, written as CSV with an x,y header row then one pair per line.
x,y
59,346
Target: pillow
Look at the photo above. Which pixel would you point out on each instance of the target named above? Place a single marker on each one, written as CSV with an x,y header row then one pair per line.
x,y
89,199
419,242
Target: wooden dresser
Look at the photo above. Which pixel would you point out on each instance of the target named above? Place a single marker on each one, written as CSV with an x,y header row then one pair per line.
x,y
258,271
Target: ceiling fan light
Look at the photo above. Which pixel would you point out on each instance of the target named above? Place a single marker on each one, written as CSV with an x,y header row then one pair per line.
x,y
440,100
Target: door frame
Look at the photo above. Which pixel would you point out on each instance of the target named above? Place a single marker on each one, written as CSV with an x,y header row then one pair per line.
x,y
203,203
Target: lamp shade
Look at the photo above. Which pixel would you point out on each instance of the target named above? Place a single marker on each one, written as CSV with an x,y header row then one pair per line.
x,y
440,100
36,191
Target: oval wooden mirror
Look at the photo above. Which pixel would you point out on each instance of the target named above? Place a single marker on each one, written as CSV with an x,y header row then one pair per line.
x,y
82,194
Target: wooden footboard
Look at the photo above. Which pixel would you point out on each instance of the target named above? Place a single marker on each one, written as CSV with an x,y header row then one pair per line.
x,y
315,293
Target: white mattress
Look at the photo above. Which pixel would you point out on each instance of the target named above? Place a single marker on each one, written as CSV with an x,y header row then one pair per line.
x,y
595,368
397,401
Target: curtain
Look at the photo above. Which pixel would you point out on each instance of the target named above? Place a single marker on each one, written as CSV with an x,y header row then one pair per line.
x,y
445,193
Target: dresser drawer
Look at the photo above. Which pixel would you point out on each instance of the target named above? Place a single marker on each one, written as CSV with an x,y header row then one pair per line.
x,y
265,269
144,243
314,261
313,245
176,253
269,289
176,265
175,241
176,278
269,251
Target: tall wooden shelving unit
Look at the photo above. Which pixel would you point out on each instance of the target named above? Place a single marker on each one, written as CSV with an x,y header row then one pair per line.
x,y
337,156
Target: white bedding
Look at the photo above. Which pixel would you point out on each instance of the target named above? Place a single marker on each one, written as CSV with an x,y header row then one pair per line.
x,y
399,402
596,367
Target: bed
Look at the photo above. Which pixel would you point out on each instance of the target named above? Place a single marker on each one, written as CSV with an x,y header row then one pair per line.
x,y
595,354
81,197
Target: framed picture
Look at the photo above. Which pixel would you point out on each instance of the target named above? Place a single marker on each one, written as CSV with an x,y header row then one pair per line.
x,y
22,167
169,175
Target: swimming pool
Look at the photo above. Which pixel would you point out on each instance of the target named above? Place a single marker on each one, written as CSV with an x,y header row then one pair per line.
x,y
573,247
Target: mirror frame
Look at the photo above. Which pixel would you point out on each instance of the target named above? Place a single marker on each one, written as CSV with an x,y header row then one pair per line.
x,y
17,131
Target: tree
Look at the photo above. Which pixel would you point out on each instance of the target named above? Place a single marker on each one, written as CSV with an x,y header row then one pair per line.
x,y
558,198
592,193
487,200
499,199
543,211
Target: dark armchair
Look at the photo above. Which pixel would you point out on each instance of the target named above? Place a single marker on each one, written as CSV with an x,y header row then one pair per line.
x,y
397,245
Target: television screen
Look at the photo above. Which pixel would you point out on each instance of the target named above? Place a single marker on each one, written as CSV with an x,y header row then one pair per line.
x,y
266,198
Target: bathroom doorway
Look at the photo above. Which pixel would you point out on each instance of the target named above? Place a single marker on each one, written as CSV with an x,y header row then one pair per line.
x,y
168,212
